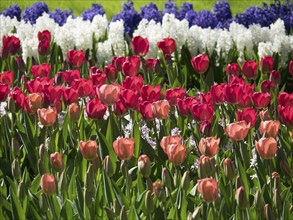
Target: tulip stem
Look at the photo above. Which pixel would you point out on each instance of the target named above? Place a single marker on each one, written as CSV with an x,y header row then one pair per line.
x,y
270,177
205,209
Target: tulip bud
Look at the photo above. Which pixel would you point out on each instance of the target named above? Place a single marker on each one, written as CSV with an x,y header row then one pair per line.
x,y
238,182
159,191
21,191
144,165
241,198
56,161
43,203
108,166
229,168
185,182
62,184
276,180
258,200
123,214
268,212
206,167
74,111
15,147
166,180
11,105
48,184
286,168
149,203
110,214
42,151
277,199
88,149
16,169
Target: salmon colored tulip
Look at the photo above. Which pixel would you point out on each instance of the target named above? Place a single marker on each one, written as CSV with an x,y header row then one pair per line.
x,y
88,149
176,153
56,161
74,111
266,147
124,148
48,184
264,115
161,109
237,131
167,141
108,94
144,165
35,101
209,146
208,189
47,116
270,128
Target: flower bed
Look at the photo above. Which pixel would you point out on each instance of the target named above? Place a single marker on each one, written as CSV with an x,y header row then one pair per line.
x,y
165,119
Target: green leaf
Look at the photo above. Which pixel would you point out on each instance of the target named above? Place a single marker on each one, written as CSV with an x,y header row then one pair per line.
x,y
17,210
137,137
243,176
67,210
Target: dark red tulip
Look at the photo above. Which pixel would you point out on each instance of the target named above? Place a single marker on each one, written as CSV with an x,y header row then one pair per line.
x,y
110,72
267,86
261,100
286,114
10,46
150,93
172,95
167,46
233,93
275,77
44,48
99,78
42,70
248,114
205,128
20,64
202,112
4,91
184,105
249,69
7,77
146,110
285,99
267,64
129,98
76,57
217,92
70,95
245,101
131,66
140,45
152,65
52,93
119,108
20,98
134,83
200,63
233,69
44,36
206,98
71,75
95,109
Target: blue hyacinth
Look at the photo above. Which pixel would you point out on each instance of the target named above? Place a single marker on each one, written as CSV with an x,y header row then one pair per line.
x,y
151,12
59,16
171,8
96,9
130,17
31,14
185,8
12,11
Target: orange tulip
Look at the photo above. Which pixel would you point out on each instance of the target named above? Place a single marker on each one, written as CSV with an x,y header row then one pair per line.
x,y
266,147
88,149
47,116
208,189
270,128
209,146
56,161
237,131
124,148
108,94
74,111
35,101
167,141
161,109
176,153
48,184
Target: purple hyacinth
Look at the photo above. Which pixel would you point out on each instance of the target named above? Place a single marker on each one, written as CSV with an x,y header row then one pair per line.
x,y
96,9
59,16
12,11
222,11
151,12
171,8
130,17
185,8
205,19
31,14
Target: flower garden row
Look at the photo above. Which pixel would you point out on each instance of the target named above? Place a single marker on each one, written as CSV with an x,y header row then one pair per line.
x,y
156,128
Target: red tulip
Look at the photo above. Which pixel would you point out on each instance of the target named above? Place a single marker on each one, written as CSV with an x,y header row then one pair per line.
x,y
47,116
10,46
48,184
291,67
42,70
285,99
110,72
88,149
237,131
150,93
267,64
118,61
184,105
152,65
233,93
266,147
140,45
261,100
205,128
70,95
217,92
209,146
52,93
267,86
99,78
249,69
245,101
131,66
119,108
248,114
129,98
173,95
19,98
167,46
133,83
200,63
146,110
161,109
44,48
7,77
124,148
71,75
83,86
76,57
275,77
233,69
286,114
44,36
95,109
206,98
4,91
202,112
208,189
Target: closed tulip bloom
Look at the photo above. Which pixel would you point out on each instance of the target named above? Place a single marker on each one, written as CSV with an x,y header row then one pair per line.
x,y
217,92
209,146
237,131
161,109
233,69
74,111
208,189
233,93
167,141
167,46
42,70
248,114
249,69
150,93
200,63
267,64
4,91
119,108
144,165
131,66
140,45
270,128
146,110
176,153
275,77
108,94
124,148
10,46
266,147
76,57
44,36
285,99
241,198
267,86
95,109
44,48
35,101
7,77
56,161
47,116
48,184
260,99
172,95
202,112
159,191
152,65
229,168
129,98
110,72
88,149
